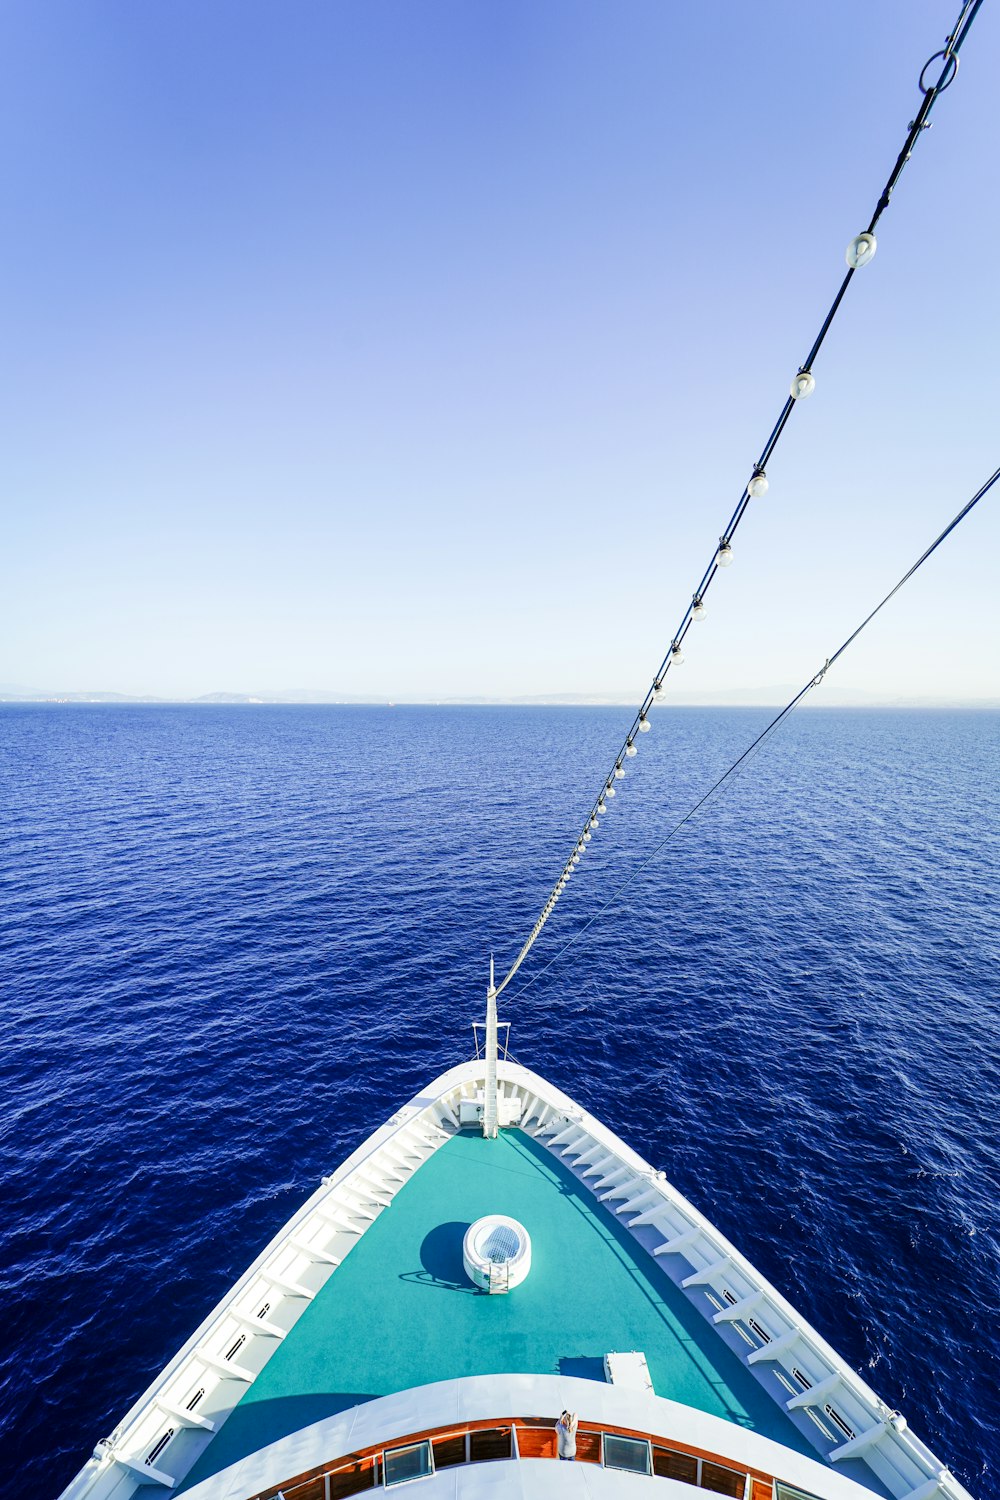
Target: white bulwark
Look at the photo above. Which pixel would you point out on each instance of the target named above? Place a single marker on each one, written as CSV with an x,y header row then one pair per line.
x,y
161,1436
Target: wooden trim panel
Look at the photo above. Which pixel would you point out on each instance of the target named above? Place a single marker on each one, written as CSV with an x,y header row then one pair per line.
x,y
490,1439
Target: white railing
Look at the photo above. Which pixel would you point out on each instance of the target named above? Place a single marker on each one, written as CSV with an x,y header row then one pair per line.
x,y
162,1434
850,1419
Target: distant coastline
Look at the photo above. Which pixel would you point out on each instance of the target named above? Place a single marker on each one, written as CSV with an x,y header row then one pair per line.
x,y
764,697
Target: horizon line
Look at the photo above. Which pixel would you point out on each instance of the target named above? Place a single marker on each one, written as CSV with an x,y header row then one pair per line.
x,y
737,698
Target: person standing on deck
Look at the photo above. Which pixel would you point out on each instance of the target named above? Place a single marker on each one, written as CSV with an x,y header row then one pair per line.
x,y
566,1434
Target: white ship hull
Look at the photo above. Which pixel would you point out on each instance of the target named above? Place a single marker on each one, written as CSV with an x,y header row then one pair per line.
x,y
860,1444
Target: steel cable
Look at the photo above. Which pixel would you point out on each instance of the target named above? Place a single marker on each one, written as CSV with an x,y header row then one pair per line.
x,y
723,553
765,733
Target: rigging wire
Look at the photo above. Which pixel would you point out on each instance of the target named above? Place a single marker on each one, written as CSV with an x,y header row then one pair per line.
x,y
860,252
765,733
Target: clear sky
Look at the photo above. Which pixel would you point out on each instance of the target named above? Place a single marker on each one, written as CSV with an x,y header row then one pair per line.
x,y
423,349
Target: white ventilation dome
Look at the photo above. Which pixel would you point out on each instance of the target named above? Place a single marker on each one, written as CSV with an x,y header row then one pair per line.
x,y
496,1253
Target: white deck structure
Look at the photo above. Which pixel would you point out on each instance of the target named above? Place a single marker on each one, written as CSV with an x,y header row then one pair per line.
x,y
167,1429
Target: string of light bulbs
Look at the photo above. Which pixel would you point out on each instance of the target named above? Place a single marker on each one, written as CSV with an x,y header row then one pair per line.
x,y
765,733
860,252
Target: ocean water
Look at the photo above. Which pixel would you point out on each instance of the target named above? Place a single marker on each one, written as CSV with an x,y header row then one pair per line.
x,y
233,940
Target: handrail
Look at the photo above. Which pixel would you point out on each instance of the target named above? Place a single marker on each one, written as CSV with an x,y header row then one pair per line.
x,y
370,1459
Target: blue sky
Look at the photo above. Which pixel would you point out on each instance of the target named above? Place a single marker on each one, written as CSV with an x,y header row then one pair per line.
x,y
423,350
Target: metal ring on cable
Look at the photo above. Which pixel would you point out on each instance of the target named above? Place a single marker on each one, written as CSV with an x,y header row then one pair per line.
x,y
952,57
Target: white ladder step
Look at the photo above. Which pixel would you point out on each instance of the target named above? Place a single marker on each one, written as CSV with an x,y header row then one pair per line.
x,y
146,1472
224,1367
600,1165
650,1215
620,1189
707,1273
258,1325
776,1348
314,1253
933,1487
861,1443
639,1200
290,1288
679,1243
183,1416
740,1309
816,1394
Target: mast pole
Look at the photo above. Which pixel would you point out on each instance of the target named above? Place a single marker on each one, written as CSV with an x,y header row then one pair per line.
x,y
490,1124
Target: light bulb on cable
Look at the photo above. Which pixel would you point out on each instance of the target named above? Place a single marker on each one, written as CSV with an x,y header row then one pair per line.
x,y
861,250
697,608
594,823
619,771
630,750
602,807
758,485
676,654
587,836
609,790
724,556
802,386
659,690
644,725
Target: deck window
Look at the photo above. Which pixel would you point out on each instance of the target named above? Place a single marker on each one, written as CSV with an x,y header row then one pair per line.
x,y
790,1492
588,1447
671,1465
627,1453
449,1451
722,1481
411,1462
351,1479
487,1443
536,1442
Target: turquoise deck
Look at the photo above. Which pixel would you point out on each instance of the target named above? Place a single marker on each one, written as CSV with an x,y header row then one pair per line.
x,y
399,1311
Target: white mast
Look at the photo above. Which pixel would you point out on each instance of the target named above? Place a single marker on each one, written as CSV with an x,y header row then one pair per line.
x,y
490,1100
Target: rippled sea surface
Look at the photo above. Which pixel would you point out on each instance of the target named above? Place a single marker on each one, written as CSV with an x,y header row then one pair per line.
x,y
233,940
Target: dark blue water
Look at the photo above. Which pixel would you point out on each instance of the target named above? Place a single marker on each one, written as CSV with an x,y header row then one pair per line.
x,y
235,939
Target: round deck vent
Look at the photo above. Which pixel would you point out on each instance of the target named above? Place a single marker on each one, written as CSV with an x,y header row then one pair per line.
x,y
496,1252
